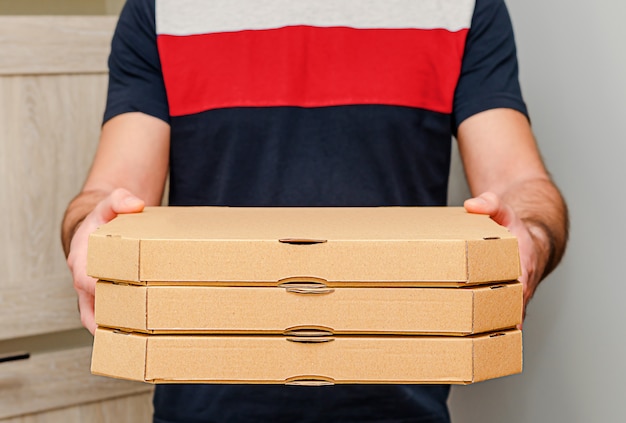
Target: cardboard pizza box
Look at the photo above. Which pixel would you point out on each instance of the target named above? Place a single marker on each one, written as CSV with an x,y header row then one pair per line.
x,y
337,247
292,307
306,358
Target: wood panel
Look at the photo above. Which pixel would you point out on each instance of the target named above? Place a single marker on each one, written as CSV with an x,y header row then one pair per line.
x,y
54,45
113,7
130,409
49,127
56,380
53,77
56,7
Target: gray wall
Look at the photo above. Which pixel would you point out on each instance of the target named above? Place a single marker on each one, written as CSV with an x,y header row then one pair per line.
x,y
573,73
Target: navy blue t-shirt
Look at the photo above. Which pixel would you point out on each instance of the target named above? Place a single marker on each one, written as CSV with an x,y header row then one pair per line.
x,y
294,103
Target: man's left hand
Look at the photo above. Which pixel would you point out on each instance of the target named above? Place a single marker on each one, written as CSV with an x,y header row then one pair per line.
x,y
530,244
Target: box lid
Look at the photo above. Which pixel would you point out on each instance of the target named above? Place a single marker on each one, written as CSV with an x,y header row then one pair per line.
x,y
306,360
275,310
383,246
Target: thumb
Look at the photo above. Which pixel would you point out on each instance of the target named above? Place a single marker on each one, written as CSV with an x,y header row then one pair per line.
x,y
490,204
125,202
119,201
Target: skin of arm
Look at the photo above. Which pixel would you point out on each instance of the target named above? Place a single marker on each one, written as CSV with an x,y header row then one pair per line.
x,y
510,183
129,171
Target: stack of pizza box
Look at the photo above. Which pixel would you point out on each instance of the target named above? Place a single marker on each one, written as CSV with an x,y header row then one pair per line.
x,y
306,296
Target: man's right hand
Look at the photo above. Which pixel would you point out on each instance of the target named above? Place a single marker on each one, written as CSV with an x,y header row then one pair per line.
x,y
117,202
133,153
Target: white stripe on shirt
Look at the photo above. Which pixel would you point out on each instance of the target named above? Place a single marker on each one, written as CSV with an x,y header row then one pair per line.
x,y
191,17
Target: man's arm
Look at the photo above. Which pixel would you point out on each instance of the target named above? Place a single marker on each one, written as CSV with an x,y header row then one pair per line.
x,y
128,172
506,175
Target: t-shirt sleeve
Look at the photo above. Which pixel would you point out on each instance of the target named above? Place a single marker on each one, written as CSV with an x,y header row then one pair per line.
x,y
489,73
135,77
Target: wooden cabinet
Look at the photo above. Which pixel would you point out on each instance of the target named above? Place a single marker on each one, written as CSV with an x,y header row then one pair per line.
x,y
52,92
59,380
53,78
128,409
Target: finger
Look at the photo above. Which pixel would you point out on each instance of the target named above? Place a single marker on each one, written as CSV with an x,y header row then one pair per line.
x,y
86,307
122,201
521,325
77,262
86,284
490,204
119,201
485,203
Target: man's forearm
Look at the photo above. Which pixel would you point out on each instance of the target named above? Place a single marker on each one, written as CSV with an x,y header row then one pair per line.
x,y
76,212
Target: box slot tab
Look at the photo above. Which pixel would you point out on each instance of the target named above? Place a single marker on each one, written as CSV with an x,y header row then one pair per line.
x,y
309,336
306,287
495,335
310,381
308,331
302,241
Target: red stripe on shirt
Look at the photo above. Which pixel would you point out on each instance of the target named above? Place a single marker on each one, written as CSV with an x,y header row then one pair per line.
x,y
312,67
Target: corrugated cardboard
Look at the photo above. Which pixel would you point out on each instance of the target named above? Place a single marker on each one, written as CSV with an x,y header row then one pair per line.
x,y
166,309
386,246
304,360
